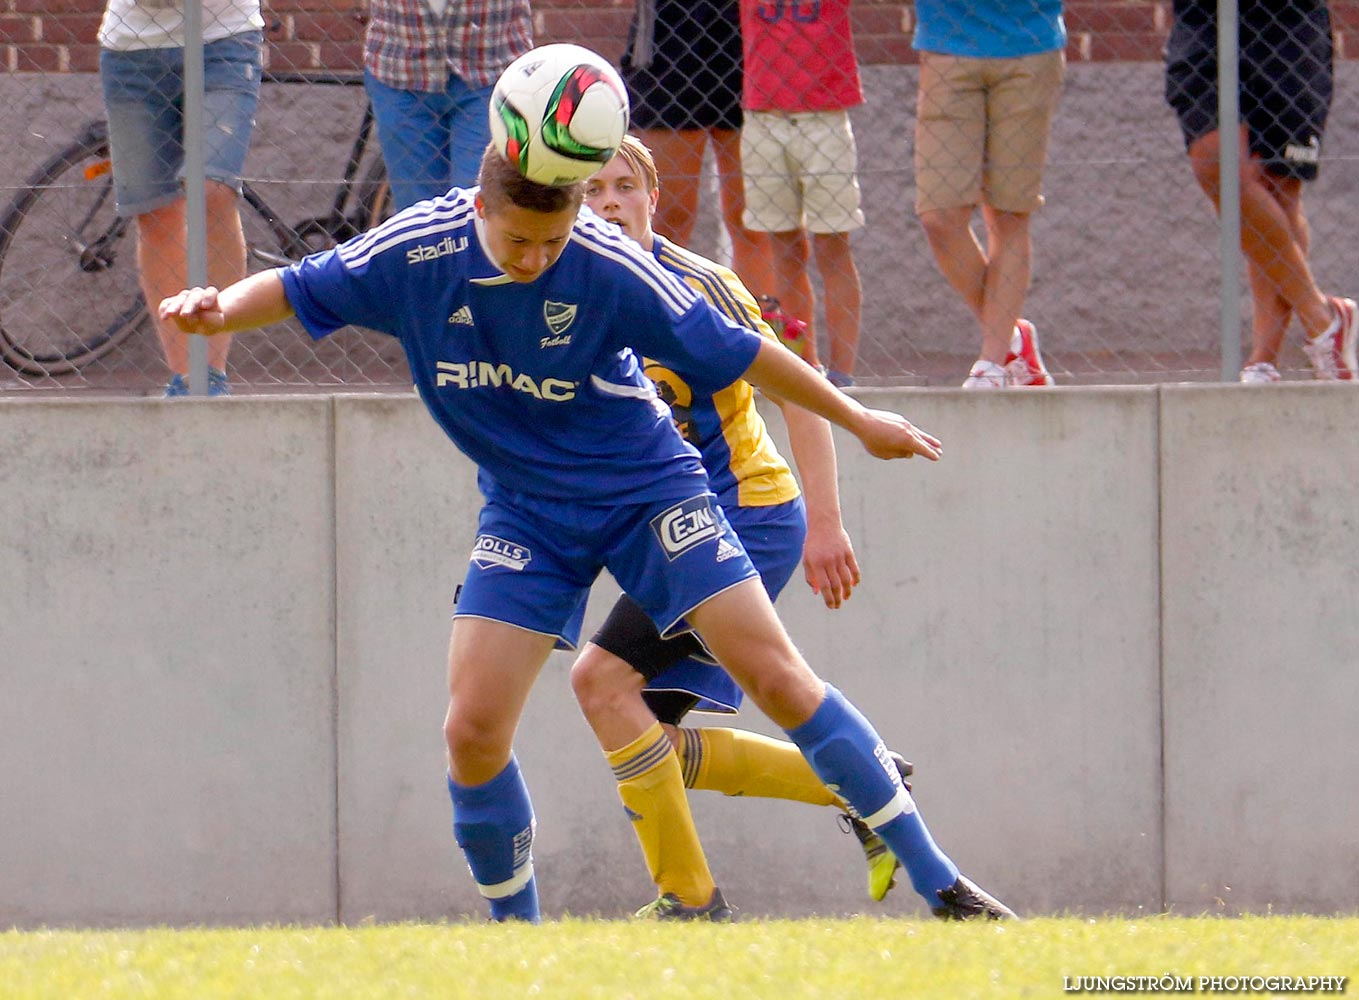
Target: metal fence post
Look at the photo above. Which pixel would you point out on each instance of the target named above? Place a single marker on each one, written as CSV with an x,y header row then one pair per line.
x,y
195,196
1229,187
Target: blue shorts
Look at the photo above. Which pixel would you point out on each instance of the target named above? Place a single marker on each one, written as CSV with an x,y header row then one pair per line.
x,y
144,97
534,560
773,537
430,141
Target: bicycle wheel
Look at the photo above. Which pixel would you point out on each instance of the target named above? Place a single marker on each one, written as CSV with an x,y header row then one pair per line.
x,y
68,277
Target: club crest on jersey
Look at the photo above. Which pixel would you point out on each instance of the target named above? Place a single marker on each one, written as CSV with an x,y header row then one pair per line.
x,y
559,316
685,525
488,550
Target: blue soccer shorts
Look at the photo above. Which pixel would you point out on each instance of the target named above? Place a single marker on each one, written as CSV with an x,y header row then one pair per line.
x,y
533,561
681,676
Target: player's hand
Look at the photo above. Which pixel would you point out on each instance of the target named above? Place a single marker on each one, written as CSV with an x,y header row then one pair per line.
x,y
890,435
828,560
194,310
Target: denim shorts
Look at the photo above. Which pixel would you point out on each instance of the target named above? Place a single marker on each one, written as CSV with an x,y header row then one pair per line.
x,y
144,98
534,560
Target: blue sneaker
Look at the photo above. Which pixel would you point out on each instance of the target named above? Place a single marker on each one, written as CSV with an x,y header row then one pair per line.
x,y
217,384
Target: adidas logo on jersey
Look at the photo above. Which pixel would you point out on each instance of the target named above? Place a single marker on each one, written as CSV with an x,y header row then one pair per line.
x,y
462,316
725,550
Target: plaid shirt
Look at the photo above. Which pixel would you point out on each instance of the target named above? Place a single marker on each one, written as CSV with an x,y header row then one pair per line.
x,y
410,47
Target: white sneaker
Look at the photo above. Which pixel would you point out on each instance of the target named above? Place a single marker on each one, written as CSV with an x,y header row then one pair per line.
x,y
985,375
1024,363
1333,353
1260,373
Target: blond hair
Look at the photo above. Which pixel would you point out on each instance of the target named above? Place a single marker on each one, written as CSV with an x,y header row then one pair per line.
x,y
636,155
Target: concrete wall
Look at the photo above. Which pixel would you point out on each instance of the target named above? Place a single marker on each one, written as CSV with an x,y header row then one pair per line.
x,y
1113,629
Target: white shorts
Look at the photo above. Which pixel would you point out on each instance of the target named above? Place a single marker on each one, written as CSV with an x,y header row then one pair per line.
x,y
800,172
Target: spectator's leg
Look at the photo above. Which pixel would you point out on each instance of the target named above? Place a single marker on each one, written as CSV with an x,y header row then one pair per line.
x,y
844,297
1272,312
961,260
793,285
163,270
413,131
679,159
750,252
469,131
1267,236
1009,252
226,254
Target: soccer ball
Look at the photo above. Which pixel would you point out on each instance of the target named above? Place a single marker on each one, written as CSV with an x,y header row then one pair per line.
x,y
558,113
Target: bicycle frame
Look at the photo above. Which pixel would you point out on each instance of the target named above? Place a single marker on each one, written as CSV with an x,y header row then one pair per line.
x,y
355,206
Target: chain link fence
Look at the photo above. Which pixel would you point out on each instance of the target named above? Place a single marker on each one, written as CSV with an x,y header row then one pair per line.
x,y
1125,271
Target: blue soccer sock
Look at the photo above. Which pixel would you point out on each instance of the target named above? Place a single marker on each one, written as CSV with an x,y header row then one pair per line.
x,y
493,824
849,756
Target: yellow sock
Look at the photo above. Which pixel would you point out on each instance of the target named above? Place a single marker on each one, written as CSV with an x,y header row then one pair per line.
x,y
652,790
737,762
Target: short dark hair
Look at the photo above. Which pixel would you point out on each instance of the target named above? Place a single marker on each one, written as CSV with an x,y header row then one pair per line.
x,y
502,185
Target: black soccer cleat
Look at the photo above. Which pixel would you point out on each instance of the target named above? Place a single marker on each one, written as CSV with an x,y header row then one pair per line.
x,y
964,900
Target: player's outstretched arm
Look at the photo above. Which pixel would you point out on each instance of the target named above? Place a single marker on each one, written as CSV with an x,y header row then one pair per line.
x,y
257,300
781,373
828,559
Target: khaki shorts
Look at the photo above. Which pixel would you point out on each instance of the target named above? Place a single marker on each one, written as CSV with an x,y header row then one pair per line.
x,y
799,171
981,133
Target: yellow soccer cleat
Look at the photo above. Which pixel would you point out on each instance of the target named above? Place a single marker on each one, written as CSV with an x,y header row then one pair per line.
x,y
882,863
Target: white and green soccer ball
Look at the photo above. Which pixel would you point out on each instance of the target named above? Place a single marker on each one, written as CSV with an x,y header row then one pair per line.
x,y
559,113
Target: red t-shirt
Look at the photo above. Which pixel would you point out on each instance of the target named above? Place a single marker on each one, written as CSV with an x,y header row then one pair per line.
x,y
799,56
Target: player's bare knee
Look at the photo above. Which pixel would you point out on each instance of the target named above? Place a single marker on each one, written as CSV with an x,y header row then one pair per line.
x,y
785,689
472,737
601,680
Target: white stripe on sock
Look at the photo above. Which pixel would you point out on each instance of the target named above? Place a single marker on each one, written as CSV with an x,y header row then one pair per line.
x,y
900,804
510,886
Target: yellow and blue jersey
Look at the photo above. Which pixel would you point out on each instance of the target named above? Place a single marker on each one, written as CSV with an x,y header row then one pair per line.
x,y
745,468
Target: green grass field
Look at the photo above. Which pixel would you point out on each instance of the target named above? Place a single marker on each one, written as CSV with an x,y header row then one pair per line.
x,y
856,959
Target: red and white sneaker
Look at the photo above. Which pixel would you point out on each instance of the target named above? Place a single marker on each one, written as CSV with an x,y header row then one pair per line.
x,y
1260,373
986,375
1333,353
1024,364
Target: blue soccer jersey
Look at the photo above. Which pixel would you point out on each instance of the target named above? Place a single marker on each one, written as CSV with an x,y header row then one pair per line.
x,y
539,384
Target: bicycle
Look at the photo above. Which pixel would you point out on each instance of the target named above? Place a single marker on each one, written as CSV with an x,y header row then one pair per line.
x,y
69,292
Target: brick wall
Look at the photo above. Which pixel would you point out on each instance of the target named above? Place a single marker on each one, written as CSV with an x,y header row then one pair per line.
x,y
59,35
